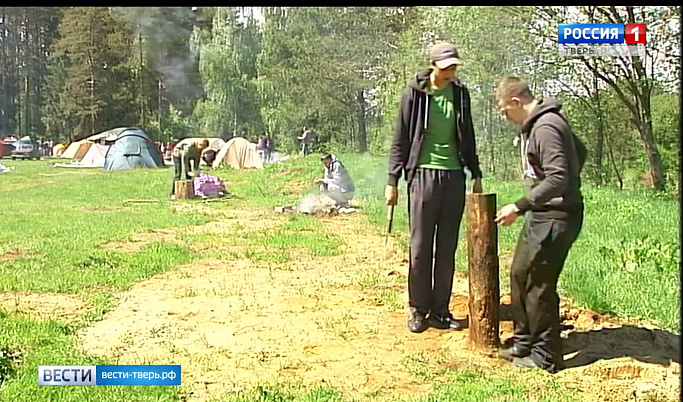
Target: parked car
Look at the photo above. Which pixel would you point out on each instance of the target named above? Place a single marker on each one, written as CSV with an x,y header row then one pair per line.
x,y
26,148
7,146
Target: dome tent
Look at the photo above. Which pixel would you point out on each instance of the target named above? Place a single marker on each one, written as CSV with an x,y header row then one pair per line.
x,y
132,149
239,153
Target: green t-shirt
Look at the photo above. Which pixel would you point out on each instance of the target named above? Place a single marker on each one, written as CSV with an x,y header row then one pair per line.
x,y
439,150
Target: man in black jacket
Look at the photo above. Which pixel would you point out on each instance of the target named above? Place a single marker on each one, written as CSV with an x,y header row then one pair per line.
x,y
552,159
433,143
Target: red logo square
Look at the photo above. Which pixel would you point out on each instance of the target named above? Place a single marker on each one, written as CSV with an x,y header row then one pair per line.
x,y
634,34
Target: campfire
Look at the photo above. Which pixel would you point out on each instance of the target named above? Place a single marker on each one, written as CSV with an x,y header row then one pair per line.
x,y
318,205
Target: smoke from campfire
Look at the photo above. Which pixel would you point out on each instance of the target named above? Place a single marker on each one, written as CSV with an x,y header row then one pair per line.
x,y
313,204
165,27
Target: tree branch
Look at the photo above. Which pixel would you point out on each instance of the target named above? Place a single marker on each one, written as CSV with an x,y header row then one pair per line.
x,y
604,12
614,11
579,97
620,94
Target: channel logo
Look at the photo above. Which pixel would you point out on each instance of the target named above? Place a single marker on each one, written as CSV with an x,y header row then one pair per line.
x,y
109,375
629,34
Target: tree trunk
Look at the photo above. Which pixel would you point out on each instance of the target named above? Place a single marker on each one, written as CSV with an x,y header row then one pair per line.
x,y
653,157
482,253
614,164
184,189
362,127
600,141
489,134
142,84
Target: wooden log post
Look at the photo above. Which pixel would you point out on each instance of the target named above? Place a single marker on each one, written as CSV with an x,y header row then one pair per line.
x,y
184,189
482,254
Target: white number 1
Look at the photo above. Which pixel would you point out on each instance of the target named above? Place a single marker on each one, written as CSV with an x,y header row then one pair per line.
x,y
635,32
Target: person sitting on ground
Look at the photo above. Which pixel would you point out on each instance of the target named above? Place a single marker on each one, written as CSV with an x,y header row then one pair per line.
x,y
336,182
186,161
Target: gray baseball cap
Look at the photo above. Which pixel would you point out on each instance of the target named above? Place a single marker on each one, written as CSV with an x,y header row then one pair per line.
x,y
444,55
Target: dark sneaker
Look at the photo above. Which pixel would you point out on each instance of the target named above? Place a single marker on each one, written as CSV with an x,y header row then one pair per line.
x,y
417,323
445,322
525,362
510,353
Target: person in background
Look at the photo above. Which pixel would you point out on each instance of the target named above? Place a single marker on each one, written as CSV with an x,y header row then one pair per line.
x,y
553,157
269,148
306,139
433,144
186,161
336,182
209,156
261,147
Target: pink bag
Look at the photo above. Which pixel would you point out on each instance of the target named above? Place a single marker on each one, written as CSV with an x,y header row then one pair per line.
x,y
206,185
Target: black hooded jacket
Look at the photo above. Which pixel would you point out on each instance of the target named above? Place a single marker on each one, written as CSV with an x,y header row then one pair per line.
x,y
412,121
555,157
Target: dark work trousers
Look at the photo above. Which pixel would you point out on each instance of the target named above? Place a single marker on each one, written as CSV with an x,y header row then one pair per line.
x,y
436,200
180,171
541,251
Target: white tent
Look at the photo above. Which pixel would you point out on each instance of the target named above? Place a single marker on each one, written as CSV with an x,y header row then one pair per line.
x,y
95,155
214,143
109,135
240,154
77,149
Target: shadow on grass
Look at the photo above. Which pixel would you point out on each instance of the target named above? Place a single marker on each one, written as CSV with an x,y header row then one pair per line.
x,y
652,346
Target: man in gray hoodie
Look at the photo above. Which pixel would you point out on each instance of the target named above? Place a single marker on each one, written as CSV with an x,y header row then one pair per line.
x,y
552,159
433,146
336,182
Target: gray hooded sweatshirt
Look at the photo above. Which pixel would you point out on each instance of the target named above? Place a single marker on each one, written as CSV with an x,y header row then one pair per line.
x,y
336,177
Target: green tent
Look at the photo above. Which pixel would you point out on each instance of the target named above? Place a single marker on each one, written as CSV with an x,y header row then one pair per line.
x,y
132,149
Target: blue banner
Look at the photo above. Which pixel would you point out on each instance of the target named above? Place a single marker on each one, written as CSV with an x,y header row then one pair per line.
x,y
138,375
590,33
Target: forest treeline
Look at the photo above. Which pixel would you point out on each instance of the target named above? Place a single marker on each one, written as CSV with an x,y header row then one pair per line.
x,y
66,73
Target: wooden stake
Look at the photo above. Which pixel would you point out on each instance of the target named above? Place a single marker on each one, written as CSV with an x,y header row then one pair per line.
x,y
482,253
184,189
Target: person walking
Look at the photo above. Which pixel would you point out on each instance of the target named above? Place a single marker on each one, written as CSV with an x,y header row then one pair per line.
x,y
434,142
552,157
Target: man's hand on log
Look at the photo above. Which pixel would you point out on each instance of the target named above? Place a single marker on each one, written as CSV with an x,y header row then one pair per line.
x,y
476,186
507,215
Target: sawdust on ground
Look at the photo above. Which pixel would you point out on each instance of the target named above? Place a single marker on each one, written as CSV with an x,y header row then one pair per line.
x,y
43,306
231,323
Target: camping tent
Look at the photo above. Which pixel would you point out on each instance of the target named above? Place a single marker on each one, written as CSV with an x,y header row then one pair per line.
x,y
105,135
214,143
95,155
58,149
132,149
240,154
77,149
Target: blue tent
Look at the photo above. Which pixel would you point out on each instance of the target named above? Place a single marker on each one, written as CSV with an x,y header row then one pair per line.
x,y
132,148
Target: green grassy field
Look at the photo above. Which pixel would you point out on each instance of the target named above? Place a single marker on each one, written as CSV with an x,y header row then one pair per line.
x,y
54,221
